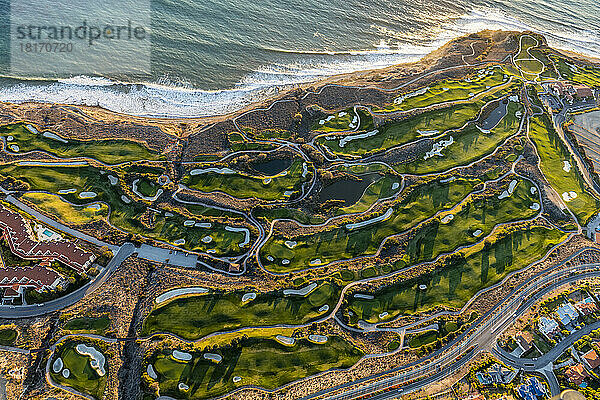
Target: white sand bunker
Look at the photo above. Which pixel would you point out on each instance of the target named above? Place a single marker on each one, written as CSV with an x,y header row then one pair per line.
x,y
533,190
363,296
436,149
87,195
180,292
290,244
568,196
266,181
285,261
477,233
207,239
113,180
182,386
395,185
66,373
535,206
14,148
316,261
236,379
181,355
54,136
179,242
57,366
324,308
510,191
67,191
447,218
566,166
151,372
288,341
318,338
125,199
361,224
248,296
213,357
383,315
300,292
97,359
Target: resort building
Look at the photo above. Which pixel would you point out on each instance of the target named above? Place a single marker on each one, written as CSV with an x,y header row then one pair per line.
x,y
586,306
531,390
576,374
591,359
15,280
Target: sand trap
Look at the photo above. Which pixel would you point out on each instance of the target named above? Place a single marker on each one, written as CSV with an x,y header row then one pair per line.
x,y
179,292
270,258
10,138
125,199
447,180
207,239
566,166
324,308
199,171
349,138
54,136
436,149
285,261
288,193
395,185
58,365
95,206
236,379
179,242
266,181
202,225
382,217
14,148
189,222
113,180
169,214
316,261
447,218
67,191
244,230
363,296
32,129
342,114
288,341
181,355
533,190
97,359
66,373
248,296
213,357
535,206
422,287
568,196
383,315
320,339
477,233
300,292
151,372
87,195
304,170
182,386
290,244
428,133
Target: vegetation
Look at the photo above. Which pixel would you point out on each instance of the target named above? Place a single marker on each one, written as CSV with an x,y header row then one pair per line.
x,y
8,336
82,377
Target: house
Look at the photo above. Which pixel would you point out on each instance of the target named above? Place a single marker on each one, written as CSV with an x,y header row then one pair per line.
x,y
496,373
586,306
567,314
524,341
15,280
582,91
591,359
576,374
548,327
531,390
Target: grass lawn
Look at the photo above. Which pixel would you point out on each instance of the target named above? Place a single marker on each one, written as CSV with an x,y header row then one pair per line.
x,y
553,153
380,189
261,362
469,145
125,216
7,336
77,215
247,186
423,338
109,151
146,187
340,243
197,316
83,377
88,324
452,286
582,74
339,123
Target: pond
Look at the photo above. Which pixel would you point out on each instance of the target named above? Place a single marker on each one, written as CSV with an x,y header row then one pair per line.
x,y
348,190
272,167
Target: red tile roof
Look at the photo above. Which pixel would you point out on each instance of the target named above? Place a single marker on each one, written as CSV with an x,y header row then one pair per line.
x,y
37,277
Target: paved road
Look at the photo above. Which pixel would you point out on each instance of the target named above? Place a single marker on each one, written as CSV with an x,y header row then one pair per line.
x,y
14,312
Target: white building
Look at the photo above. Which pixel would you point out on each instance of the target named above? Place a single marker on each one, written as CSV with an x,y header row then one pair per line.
x,y
548,327
567,313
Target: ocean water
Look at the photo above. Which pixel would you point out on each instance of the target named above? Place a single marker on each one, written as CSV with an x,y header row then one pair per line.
x,y
212,57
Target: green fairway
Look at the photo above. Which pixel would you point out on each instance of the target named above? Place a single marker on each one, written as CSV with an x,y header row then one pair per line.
x,y
582,74
553,154
109,151
482,265
81,185
430,123
197,316
64,211
467,145
345,120
340,243
241,185
82,376
449,90
262,362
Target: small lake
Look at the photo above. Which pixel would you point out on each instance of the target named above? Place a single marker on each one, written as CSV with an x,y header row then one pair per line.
x,y
348,190
494,117
272,167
